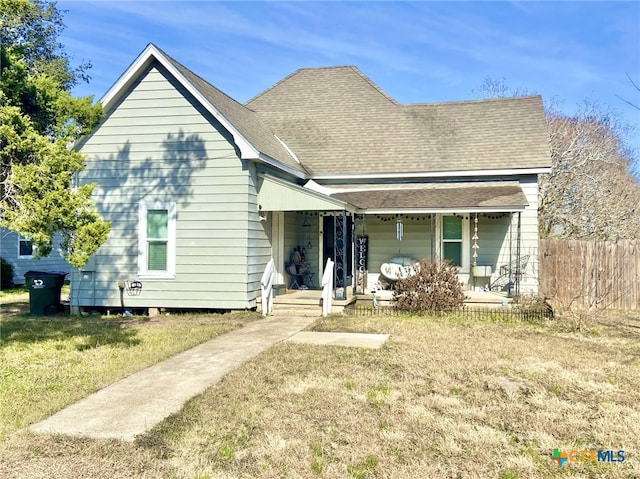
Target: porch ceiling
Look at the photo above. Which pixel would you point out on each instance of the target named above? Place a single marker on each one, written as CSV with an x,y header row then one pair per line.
x,y
278,195
439,197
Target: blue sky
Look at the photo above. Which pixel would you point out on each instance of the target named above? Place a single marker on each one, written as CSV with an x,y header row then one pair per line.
x,y
415,51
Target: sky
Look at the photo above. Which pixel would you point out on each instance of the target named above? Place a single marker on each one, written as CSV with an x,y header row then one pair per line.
x,y
417,52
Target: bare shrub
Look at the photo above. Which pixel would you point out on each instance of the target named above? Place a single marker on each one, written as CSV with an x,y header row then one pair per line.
x,y
532,306
429,286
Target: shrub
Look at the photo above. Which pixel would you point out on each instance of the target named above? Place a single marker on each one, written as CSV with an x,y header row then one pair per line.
x,y
430,286
6,274
532,306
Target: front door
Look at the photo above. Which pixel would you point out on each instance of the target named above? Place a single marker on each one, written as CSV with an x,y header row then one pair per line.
x,y
337,245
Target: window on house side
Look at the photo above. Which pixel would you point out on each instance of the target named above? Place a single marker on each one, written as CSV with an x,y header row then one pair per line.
x,y
452,239
157,240
25,247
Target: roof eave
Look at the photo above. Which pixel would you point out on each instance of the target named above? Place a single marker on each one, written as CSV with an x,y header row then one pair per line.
x,y
326,202
414,211
281,166
439,174
150,54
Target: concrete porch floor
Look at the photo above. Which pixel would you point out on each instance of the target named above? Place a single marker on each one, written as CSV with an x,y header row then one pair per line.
x,y
311,297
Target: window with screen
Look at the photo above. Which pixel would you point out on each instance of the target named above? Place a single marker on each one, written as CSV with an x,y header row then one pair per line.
x,y
157,240
452,239
25,247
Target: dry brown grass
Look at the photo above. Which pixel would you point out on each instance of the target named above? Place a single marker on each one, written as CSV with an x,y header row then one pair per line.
x,y
443,398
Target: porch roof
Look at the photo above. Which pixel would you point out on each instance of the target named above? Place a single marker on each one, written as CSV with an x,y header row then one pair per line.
x,y
278,195
498,196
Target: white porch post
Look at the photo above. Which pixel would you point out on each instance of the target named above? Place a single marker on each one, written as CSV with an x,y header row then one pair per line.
x,y
277,246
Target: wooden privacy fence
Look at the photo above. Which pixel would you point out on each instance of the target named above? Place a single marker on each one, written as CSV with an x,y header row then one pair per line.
x,y
591,274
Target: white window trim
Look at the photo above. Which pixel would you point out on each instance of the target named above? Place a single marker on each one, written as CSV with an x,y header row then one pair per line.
x,y
24,256
143,272
466,242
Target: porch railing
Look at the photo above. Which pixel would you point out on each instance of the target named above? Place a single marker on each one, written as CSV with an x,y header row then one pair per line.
x,y
266,287
327,287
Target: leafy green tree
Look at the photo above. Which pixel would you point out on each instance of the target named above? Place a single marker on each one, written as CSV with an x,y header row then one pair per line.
x,y
39,122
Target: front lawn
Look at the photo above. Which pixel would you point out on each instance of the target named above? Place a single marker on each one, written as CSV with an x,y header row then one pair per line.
x,y
444,398
47,363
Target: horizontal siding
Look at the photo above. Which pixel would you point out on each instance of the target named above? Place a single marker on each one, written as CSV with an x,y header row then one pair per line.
x,y
158,146
205,247
383,244
9,251
185,120
259,245
146,145
119,211
529,234
105,293
216,194
497,239
122,179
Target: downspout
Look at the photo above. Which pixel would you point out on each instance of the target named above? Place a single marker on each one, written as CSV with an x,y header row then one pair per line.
x,y
510,255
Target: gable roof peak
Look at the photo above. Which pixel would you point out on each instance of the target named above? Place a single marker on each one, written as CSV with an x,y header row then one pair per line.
x,y
328,75
253,138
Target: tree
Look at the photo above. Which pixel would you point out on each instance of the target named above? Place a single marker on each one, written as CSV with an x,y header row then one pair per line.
x,y
637,89
590,192
39,120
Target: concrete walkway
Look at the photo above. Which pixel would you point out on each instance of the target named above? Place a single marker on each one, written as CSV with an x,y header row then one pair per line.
x,y
359,340
137,403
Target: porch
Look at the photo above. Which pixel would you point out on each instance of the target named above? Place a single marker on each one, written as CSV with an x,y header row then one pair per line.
x,y
482,227
488,248
309,302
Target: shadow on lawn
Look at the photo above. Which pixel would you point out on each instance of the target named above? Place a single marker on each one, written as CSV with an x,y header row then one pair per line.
x,y
86,333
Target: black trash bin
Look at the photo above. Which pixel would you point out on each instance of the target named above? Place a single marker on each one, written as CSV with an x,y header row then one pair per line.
x,y
44,291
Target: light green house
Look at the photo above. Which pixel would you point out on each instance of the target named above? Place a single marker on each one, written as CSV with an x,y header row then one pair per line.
x,y
203,191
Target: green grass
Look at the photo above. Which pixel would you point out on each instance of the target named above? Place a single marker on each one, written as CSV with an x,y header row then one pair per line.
x,y
19,293
47,363
444,399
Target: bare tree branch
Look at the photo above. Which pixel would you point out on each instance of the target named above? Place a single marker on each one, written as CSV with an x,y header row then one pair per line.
x,y
627,101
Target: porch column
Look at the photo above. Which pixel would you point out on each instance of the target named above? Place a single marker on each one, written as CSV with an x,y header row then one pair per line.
x,y
518,266
339,253
432,218
360,248
277,244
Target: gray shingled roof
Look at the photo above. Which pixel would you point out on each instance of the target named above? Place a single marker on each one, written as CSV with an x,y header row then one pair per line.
x,y
243,119
338,122
503,196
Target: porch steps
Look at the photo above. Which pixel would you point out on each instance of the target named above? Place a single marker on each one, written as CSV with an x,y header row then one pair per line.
x,y
297,303
304,303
